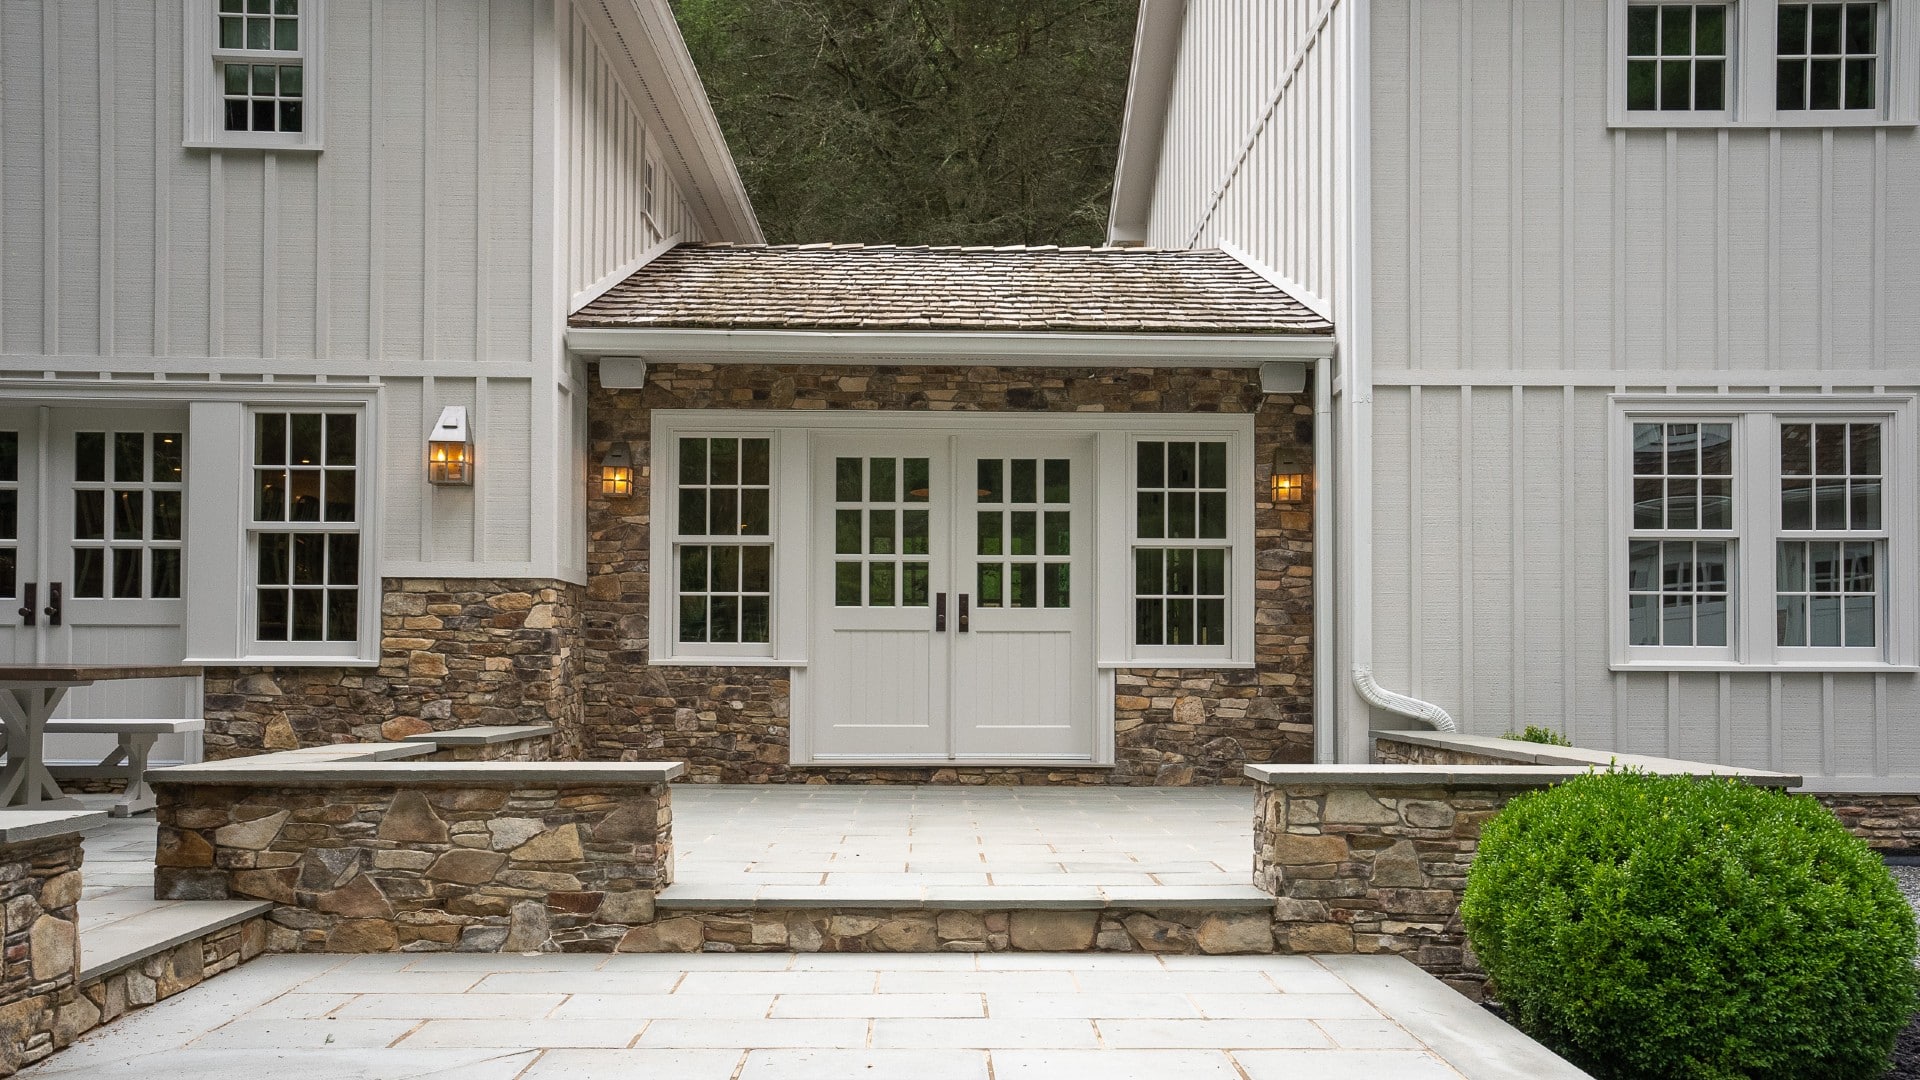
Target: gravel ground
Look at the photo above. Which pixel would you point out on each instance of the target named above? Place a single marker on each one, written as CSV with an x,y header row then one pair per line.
x,y
1906,1053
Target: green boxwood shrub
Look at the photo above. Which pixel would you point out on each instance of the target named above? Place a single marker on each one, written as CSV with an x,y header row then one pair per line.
x,y
1661,926
1534,733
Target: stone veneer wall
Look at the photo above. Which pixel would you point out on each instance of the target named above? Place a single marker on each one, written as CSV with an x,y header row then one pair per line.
x,y
1395,752
171,971
914,930
1890,824
41,1009
454,653
1375,869
569,868
730,725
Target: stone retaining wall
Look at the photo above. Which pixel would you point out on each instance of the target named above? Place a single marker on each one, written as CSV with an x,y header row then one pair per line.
x,y
454,653
1890,824
386,866
906,931
41,1009
171,971
731,724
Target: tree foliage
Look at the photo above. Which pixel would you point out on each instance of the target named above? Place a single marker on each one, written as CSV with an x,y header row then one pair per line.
x,y
919,121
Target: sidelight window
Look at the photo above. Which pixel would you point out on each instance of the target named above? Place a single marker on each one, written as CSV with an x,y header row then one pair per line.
x,y
305,529
1181,549
723,541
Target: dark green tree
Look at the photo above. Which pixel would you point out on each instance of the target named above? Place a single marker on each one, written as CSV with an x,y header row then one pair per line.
x,y
919,121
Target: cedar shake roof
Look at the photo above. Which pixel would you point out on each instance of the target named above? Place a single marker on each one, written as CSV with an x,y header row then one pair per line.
x,y
1019,289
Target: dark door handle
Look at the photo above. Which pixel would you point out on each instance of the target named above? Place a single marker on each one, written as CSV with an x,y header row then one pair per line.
x,y
939,612
53,604
29,596
963,613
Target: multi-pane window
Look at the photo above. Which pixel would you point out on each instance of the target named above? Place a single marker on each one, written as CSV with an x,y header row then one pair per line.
x,y
1677,57
262,75
882,531
9,513
1828,57
1024,532
1678,566
306,526
128,501
723,549
1180,550
1832,523
1763,535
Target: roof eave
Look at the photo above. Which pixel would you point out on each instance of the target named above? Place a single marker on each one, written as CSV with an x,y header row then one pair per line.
x,y
1156,48
940,347
667,80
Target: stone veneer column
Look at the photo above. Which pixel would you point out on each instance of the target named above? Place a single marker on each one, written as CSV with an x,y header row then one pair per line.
x,y
41,1009
731,724
455,653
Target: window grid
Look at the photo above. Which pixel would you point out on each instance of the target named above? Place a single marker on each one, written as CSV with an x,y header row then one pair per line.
x,y
1677,57
1678,592
1828,57
724,493
1179,588
262,79
1828,577
882,532
305,526
1679,585
128,533
1024,532
9,513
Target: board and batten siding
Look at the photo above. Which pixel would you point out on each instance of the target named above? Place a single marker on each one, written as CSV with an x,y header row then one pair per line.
x,y
1529,261
1251,152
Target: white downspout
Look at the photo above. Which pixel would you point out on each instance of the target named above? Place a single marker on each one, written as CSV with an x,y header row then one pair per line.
x,y
1355,464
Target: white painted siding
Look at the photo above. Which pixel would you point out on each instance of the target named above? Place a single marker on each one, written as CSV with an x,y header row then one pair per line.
x,y
610,227
1251,156
1528,261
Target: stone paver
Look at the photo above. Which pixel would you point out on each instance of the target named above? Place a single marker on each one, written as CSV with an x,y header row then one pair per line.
x,y
787,1017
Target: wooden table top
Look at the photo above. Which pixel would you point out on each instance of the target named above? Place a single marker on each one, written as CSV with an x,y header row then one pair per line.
x,y
86,673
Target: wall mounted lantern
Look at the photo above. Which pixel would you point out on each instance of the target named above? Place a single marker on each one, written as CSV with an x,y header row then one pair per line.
x,y
1290,477
450,449
616,472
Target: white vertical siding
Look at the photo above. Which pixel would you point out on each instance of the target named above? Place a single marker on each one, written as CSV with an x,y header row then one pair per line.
x,y
609,139
1250,156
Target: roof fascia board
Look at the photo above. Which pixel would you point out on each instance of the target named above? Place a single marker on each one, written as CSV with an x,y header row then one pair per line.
x,y
660,73
1156,52
931,347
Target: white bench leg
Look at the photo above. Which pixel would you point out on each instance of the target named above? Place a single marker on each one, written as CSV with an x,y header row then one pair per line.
x,y
138,796
25,781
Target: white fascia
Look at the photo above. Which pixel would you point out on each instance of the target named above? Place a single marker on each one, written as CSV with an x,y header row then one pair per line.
x,y
1156,50
930,347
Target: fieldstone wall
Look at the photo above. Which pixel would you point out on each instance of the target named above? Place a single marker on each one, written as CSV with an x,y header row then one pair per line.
x,y
1375,869
1890,824
569,868
913,930
171,971
453,653
731,724
41,1009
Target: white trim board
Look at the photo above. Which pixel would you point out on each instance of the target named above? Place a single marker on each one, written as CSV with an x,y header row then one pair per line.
x,y
939,348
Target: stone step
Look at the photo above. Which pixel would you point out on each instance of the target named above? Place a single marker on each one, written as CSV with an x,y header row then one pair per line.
x,y
723,895
118,932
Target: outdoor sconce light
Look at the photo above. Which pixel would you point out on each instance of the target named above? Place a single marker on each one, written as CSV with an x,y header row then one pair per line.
x,y
616,472
1289,477
450,449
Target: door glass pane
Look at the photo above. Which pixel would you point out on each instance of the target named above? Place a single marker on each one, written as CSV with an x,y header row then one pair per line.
x,y
882,484
990,542
126,573
89,572
846,479
880,585
1023,588
1025,481
9,515
129,515
880,534
9,572
1059,480
1059,593
846,532
914,531
9,457
129,456
1059,532
846,584
990,483
90,457
1024,532
89,515
919,486
913,584
989,577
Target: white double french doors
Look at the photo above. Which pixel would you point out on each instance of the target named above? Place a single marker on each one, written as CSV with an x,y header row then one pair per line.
x,y
953,599
92,558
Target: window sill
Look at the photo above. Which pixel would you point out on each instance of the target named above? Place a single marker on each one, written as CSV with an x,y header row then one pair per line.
x,y
724,661
264,147
283,661
1162,663
1716,123
1711,666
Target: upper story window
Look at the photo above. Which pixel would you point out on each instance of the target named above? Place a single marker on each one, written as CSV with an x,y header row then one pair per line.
x,y
252,73
1767,533
1762,62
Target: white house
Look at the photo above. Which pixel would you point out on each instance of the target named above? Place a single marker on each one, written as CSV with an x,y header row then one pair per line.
x,y
1622,411
251,252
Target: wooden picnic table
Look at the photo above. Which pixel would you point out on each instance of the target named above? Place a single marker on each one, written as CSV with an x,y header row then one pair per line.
x,y
29,695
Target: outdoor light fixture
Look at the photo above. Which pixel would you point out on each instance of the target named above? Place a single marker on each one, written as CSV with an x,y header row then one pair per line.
x,y
1289,477
450,449
616,472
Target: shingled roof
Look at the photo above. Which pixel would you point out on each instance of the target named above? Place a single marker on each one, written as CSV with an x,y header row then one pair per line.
x,y
1018,289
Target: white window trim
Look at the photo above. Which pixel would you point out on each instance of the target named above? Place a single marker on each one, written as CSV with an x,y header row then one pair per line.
x,y
1756,420
203,109
1752,50
792,529
665,465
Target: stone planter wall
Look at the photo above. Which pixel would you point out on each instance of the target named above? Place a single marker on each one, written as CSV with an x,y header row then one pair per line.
x,y
422,857
454,653
41,1008
731,724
